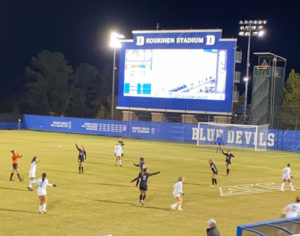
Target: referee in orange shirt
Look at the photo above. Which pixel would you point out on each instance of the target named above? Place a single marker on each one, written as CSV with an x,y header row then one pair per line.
x,y
15,157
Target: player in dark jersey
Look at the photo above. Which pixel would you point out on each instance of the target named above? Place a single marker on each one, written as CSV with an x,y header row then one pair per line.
x,y
81,157
142,166
228,155
219,142
214,173
144,183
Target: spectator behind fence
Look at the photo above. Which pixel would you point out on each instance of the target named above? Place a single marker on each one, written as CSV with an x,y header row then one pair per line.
x,y
212,228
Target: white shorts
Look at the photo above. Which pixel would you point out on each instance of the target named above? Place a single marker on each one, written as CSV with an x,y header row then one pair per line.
x,y
42,192
176,195
286,177
31,174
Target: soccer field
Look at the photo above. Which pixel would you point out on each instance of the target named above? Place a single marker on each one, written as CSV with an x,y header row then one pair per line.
x,y
102,201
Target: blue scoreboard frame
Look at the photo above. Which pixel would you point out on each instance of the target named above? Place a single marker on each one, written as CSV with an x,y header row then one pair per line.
x,y
179,39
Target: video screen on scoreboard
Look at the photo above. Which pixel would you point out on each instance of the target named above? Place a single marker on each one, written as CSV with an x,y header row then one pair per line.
x,y
175,73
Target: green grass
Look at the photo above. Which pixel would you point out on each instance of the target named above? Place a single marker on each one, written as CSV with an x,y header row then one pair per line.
x,y
103,201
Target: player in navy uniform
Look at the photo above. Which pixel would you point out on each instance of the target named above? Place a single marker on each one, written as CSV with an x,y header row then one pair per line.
x,y
219,142
144,183
81,157
214,173
142,166
228,155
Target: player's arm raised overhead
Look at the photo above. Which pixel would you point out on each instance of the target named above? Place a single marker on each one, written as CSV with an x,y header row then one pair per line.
x,y
77,147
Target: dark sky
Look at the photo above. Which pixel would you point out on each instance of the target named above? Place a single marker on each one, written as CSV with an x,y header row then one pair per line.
x,y
80,28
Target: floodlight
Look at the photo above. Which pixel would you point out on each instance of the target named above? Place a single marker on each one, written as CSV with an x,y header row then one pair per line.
x,y
261,33
255,22
265,22
250,22
115,40
241,22
245,22
241,33
246,79
242,27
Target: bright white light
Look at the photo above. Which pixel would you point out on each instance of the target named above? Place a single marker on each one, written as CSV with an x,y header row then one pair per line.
x,y
241,33
115,40
241,22
261,33
246,79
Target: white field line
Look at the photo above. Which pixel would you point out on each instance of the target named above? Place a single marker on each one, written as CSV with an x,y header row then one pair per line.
x,y
234,190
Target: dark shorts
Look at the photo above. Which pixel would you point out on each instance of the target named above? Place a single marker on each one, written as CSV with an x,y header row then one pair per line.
x,y
143,187
80,160
215,172
15,166
228,162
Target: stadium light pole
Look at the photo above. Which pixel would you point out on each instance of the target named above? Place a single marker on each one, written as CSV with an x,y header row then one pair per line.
x,y
114,43
250,28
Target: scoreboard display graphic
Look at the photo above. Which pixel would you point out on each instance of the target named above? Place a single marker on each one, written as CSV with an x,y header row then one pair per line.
x,y
184,71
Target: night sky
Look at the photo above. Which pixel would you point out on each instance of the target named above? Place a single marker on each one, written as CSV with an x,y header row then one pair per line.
x,y
80,29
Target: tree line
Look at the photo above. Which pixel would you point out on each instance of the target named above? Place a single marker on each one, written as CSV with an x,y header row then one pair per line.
x,y
50,86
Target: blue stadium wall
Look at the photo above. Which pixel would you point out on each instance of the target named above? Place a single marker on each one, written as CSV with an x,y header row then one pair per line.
x,y
284,140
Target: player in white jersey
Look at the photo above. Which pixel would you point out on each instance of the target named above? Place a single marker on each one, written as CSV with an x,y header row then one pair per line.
x,y
42,193
177,193
292,210
32,172
118,154
286,177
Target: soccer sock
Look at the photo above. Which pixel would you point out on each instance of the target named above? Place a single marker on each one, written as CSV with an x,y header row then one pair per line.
x,y
179,207
120,162
216,181
79,169
141,197
227,171
19,177
40,208
44,207
30,184
82,170
174,205
11,175
282,187
144,197
292,187
212,181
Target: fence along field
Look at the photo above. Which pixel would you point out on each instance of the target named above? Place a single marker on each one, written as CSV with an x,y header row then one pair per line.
x,y
102,201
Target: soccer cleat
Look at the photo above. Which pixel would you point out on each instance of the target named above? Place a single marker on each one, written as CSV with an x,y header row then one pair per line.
x,y
142,202
44,211
173,207
180,209
30,189
41,212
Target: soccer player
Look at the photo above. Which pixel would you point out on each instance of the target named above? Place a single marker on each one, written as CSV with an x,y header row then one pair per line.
x,y
42,193
118,154
214,173
32,172
292,210
219,142
177,193
15,158
142,166
286,177
144,183
81,157
228,155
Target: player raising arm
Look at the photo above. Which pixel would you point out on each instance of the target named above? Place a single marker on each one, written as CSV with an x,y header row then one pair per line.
x,y
81,157
228,155
15,158
144,183
142,166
